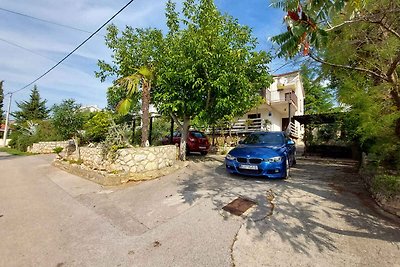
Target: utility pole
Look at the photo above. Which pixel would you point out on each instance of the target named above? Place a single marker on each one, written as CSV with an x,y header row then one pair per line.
x,y
289,115
7,120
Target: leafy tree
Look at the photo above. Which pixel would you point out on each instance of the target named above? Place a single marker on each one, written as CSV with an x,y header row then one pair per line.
x,y
357,44
68,120
1,101
33,109
318,98
96,128
29,132
207,68
135,55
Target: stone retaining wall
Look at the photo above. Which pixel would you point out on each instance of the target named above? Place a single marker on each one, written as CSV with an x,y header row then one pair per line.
x,y
46,147
129,160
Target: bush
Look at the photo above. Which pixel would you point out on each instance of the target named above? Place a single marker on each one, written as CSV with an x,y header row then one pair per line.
x,y
96,128
32,132
388,185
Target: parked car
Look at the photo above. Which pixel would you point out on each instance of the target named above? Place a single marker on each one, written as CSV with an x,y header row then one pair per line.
x,y
196,141
267,154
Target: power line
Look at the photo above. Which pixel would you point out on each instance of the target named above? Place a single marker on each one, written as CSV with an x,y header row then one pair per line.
x,y
73,51
43,20
26,49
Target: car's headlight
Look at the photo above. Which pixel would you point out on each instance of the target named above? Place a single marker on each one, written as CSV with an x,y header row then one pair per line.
x,y
274,159
230,157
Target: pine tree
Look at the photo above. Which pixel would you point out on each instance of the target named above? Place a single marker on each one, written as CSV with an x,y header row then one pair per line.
x,y
33,109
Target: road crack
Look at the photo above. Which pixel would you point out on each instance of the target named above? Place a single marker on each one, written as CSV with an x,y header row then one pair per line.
x,y
235,238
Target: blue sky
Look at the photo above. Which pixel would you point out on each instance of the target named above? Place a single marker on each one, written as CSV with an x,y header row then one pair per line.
x,y
75,78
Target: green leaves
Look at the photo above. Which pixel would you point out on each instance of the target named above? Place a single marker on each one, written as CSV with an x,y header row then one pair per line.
x,y
208,68
124,106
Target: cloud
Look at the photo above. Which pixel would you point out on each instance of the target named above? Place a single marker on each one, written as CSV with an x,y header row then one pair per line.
x,y
75,77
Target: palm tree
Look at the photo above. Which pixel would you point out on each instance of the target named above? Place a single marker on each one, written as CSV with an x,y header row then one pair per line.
x,y
142,78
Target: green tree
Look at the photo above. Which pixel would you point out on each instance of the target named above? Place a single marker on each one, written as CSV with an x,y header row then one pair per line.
x,y
116,94
134,59
143,77
208,67
357,44
33,109
318,98
68,120
96,128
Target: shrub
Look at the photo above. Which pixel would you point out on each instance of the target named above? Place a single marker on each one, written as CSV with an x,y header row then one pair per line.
x,y
96,128
388,185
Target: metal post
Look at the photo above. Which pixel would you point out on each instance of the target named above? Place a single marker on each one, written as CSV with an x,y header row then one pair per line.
x,y
171,137
289,115
7,121
133,128
151,128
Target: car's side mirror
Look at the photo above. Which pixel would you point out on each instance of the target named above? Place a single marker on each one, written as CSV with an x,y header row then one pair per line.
x,y
240,142
290,142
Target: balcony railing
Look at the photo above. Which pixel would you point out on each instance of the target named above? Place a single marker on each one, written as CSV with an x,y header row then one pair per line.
x,y
280,97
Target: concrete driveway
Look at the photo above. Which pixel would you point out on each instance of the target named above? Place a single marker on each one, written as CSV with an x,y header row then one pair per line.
x,y
321,216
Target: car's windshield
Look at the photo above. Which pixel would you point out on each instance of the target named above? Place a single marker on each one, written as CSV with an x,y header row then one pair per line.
x,y
268,139
198,134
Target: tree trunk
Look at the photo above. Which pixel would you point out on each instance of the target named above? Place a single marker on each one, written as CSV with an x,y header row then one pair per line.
x,y
184,136
145,113
77,148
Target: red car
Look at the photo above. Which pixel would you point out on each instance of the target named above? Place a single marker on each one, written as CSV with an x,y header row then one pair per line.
x,y
196,142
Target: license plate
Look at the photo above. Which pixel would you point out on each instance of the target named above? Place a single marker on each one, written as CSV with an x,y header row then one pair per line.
x,y
202,147
249,167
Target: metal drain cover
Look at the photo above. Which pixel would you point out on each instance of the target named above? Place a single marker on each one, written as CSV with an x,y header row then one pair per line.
x,y
239,206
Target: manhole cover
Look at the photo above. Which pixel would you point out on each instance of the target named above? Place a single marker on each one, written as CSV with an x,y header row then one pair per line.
x,y
239,206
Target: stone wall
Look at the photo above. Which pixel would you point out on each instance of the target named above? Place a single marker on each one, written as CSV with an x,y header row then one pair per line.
x,y
129,160
47,147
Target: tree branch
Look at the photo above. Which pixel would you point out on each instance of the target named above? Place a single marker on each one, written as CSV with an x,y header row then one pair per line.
x,y
175,118
363,19
385,27
370,72
393,67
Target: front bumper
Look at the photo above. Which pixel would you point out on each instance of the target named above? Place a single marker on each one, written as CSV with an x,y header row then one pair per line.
x,y
266,169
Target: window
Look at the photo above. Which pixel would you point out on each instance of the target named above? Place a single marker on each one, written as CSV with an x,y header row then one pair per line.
x,y
254,116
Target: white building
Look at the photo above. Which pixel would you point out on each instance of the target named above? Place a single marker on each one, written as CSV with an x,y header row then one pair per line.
x,y
283,99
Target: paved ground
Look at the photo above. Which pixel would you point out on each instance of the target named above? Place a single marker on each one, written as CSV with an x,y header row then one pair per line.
x,y
321,216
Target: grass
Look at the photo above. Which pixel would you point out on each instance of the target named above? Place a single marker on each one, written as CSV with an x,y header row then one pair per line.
x,y
14,152
389,185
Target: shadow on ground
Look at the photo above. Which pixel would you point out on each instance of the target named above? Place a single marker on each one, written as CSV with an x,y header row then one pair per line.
x,y
320,200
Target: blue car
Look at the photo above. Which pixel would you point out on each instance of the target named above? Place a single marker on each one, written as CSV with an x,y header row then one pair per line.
x,y
262,154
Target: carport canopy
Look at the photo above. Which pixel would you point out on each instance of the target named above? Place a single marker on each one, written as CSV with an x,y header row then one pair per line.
x,y
320,118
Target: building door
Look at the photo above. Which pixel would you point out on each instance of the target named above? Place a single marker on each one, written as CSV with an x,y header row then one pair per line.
x,y
285,123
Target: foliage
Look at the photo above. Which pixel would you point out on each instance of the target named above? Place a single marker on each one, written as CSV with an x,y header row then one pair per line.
x,y
208,67
31,132
13,151
318,98
118,137
33,109
389,185
96,128
67,118
134,59
58,150
115,94
161,128
143,77
357,44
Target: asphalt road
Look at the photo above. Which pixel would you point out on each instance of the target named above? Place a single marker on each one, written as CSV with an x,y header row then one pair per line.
x,y
321,216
